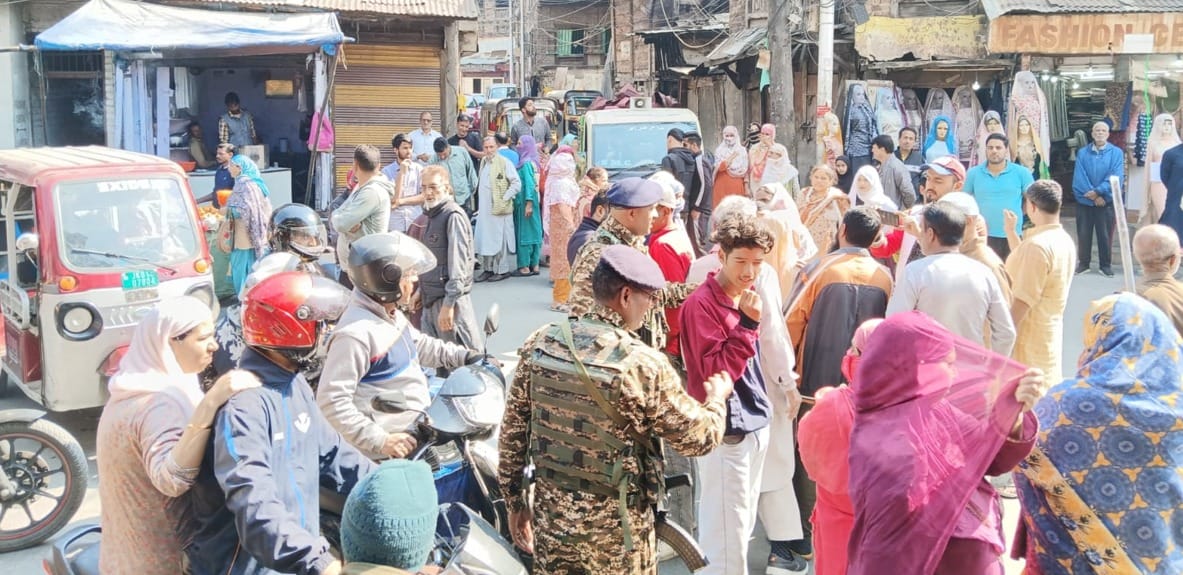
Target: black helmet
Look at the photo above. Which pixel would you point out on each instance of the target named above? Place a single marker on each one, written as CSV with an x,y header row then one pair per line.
x,y
298,229
378,262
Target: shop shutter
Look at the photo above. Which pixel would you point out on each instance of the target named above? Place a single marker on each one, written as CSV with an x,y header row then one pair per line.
x,y
382,93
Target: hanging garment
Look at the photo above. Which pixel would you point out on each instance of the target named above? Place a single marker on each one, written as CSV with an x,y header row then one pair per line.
x,y
966,119
887,114
1142,138
1056,96
1027,100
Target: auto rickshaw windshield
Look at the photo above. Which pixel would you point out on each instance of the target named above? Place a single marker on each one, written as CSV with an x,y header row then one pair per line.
x,y
114,223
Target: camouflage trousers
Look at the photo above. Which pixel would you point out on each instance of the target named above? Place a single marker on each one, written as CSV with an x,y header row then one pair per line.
x,y
580,534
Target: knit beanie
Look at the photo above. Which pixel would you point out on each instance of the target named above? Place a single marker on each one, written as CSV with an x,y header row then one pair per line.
x,y
390,516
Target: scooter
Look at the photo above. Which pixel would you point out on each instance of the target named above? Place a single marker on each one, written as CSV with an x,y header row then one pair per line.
x,y
42,478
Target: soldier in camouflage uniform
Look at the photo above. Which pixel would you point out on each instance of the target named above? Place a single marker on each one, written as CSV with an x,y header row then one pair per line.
x,y
633,203
591,424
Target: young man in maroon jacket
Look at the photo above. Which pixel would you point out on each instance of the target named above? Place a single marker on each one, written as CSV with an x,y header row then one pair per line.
x,y
720,323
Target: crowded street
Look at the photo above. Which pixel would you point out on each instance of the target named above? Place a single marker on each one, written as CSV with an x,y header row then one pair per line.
x,y
523,309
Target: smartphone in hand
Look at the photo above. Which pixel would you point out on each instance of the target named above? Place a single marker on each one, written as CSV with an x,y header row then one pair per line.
x,y
889,218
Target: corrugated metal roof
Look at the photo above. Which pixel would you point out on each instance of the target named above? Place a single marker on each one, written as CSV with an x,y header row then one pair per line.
x,y
996,8
456,9
737,47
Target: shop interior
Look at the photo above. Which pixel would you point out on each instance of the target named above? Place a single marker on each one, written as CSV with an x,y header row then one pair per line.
x,y
277,91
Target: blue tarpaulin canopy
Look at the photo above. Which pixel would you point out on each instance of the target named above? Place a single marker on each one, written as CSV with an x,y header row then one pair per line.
x,y
126,26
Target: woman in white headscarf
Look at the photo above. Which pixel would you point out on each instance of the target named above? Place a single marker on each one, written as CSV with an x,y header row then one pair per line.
x,y
732,168
771,164
868,190
794,245
152,436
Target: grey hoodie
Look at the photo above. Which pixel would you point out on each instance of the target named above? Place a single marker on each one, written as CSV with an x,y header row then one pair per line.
x,y
367,211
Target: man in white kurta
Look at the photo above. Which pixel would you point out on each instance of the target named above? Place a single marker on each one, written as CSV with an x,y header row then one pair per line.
x,y
495,239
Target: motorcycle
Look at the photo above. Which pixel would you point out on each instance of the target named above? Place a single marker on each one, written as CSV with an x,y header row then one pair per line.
x,y
42,478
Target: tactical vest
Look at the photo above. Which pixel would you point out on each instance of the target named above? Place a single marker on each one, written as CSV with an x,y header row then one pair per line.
x,y
574,443
435,237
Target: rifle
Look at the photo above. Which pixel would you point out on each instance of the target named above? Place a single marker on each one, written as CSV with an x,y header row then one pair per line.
x,y
675,535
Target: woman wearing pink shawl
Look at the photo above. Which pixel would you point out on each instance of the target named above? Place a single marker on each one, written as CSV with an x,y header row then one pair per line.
x,y
934,414
561,220
153,433
824,442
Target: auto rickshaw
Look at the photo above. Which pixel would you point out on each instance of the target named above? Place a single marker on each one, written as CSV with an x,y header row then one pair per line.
x,y
575,105
93,238
508,114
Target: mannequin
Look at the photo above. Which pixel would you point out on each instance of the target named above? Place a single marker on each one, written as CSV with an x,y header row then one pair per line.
x,y
1025,148
968,116
938,105
861,126
913,113
991,124
1163,136
829,131
887,113
941,139
1027,100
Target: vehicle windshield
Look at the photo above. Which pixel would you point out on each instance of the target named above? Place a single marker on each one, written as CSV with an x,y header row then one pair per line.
x,y
620,147
499,92
121,223
579,104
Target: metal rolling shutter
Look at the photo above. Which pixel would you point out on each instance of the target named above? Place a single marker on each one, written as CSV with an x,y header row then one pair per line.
x,y
382,93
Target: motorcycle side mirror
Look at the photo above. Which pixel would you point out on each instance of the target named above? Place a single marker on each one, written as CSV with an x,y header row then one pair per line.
x,y
492,320
393,401
28,243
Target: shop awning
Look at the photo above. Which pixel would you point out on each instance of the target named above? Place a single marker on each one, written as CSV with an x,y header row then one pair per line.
x,y
996,8
125,26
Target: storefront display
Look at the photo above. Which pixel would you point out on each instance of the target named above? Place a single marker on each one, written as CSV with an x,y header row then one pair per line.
x,y
991,124
829,130
942,140
938,104
1027,102
913,112
887,113
1163,136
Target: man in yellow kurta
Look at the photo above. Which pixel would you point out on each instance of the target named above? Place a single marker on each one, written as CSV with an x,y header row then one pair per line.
x,y
1041,270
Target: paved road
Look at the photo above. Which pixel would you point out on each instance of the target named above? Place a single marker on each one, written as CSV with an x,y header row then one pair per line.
x,y
524,307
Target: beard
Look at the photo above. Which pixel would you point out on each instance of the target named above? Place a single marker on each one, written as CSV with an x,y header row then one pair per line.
x,y
439,201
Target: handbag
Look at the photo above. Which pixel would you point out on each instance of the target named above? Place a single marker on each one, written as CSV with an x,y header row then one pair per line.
x,y
225,235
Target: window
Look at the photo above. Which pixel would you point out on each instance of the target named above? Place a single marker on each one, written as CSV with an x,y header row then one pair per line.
x,y
570,43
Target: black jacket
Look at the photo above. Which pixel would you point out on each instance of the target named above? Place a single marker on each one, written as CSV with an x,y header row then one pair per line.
x,y
582,234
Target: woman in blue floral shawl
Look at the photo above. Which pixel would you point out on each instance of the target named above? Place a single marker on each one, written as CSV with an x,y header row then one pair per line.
x,y
1102,491
250,212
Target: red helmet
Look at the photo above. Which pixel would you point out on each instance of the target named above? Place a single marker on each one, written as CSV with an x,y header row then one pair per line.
x,y
290,312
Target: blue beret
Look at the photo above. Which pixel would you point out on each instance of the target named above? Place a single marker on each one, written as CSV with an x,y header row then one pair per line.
x,y
634,193
635,267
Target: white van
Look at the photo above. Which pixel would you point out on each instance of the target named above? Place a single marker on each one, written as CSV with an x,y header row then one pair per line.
x,y
630,141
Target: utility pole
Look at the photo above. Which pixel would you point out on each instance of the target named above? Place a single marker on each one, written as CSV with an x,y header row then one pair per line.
x,y
512,45
780,89
825,67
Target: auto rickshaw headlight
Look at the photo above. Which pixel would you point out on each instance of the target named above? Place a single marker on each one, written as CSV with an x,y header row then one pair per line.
x,y
77,320
68,283
201,266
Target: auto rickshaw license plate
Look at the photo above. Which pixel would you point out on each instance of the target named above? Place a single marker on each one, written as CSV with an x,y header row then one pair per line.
x,y
140,279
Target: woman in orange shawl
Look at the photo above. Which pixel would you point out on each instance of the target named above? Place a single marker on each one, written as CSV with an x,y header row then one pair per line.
x,y
822,207
732,170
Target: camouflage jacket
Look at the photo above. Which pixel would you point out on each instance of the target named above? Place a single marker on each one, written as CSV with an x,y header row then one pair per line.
x,y
652,400
582,301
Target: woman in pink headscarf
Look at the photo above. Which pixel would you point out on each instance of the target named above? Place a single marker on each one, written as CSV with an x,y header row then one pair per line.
x,y
934,414
824,442
561,220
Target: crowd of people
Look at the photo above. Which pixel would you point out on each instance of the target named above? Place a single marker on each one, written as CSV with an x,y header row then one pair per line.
x,y
855,364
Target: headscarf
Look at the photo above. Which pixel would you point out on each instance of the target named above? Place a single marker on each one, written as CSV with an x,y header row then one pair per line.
x,y
249,203
567,141
561,186
932,411
887,113
771,164
938,104
1027,99
876,197
829,133
950,140
1156,141
984,132
528,152
1109,445
753,135
845,181
150,365
735,154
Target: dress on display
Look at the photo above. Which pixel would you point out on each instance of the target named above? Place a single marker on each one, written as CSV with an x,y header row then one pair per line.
x,y
936,146
887,113
829,130
860,128
913,112
1163,137
1027,100
968,116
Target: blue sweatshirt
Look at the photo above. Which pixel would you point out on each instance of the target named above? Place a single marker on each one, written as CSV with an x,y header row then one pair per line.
x,y
1093,168
256,500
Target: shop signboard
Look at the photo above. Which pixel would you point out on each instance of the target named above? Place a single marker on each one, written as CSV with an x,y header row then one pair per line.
x,y
882,39
1085,34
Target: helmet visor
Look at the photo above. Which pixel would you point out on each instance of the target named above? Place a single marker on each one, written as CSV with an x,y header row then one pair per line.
x,y
326,301
309,240
413,257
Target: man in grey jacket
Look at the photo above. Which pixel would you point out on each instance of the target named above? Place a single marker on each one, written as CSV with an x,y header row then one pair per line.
x,y
897,180
447,288
374,348
367,210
